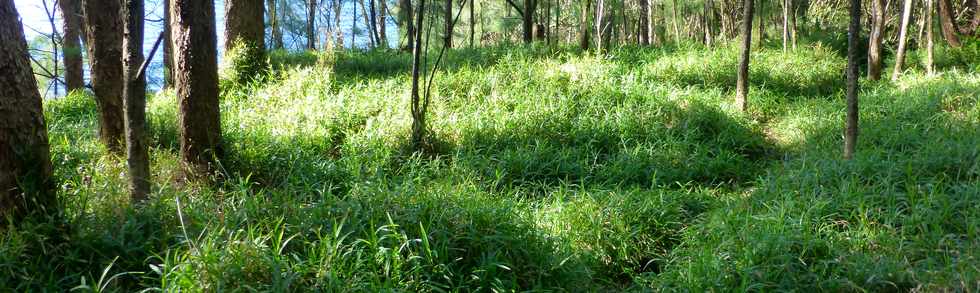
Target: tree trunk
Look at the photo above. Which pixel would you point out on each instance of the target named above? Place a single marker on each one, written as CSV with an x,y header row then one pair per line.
x,y
874,46
708,37
367,22
374,22
902,39
448,17
792,24
528,21
677,30
197,84
168,49
947,21
930,43
311,25
383,24
787,7
418,111
472,23
134,99
275,26
407,15
742,85
853,37
762,23
25,160
71,44
244,22
584,26
103,20
644,22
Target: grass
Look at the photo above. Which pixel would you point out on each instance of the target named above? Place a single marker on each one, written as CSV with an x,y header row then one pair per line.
x,y
555,171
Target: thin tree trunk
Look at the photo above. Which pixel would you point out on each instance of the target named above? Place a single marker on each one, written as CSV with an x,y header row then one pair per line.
x,y
311,25
407,15
25,159
762,23
104,28
383,24
742,85
644,22
448,37
874,46
71,44
137,157
792,23
930,43
853,37
367,23
274,23
708,38
168,51
197,85
418,113
584,27
677,30
472,23
787,7
902,39
374,22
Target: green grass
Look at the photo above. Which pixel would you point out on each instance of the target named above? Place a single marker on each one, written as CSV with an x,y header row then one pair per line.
x,y
554,171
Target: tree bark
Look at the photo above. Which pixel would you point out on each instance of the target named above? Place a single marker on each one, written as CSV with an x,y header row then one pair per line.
x,y
311,25
584,27
245,22
103,20
71,44
25,160
134,100
472,23
275,26
197,84
383,24
853,37
742,85
367,23
947,20
787,7
375,35
644,22
407,15
902,40
874,46
168,47
930,43
677,30
448,17
418,111
528,21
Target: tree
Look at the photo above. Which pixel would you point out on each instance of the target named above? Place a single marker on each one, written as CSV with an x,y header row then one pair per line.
x,y
584,34
902,39
134,100
244,23
196,68
853,33
787,12
644,22
168,51
742,85
947,19
274,24
528,20
311,25
25,159
71,43
930,43
405,16
877,32
418,106
104,27
448,38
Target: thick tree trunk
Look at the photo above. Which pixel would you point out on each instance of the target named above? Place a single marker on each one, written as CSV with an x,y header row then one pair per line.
x,y
930,43
742,85
877,32
71,12
168,48
853,37
25,159
244,22
134,99
644,22
103,20
197,84
311,25
902,40
528,21
947,20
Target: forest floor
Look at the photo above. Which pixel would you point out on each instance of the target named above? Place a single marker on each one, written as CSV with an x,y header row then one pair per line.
x,y
551,171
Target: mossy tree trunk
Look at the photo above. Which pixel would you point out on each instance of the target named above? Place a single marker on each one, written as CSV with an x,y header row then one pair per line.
x,y
244,23
25,160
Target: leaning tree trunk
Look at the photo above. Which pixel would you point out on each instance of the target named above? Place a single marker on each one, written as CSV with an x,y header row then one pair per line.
x,y
947,20
244,23
25,159
853,37
902,40
197,84
877,32
134,99
71,44
103,21
742,85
